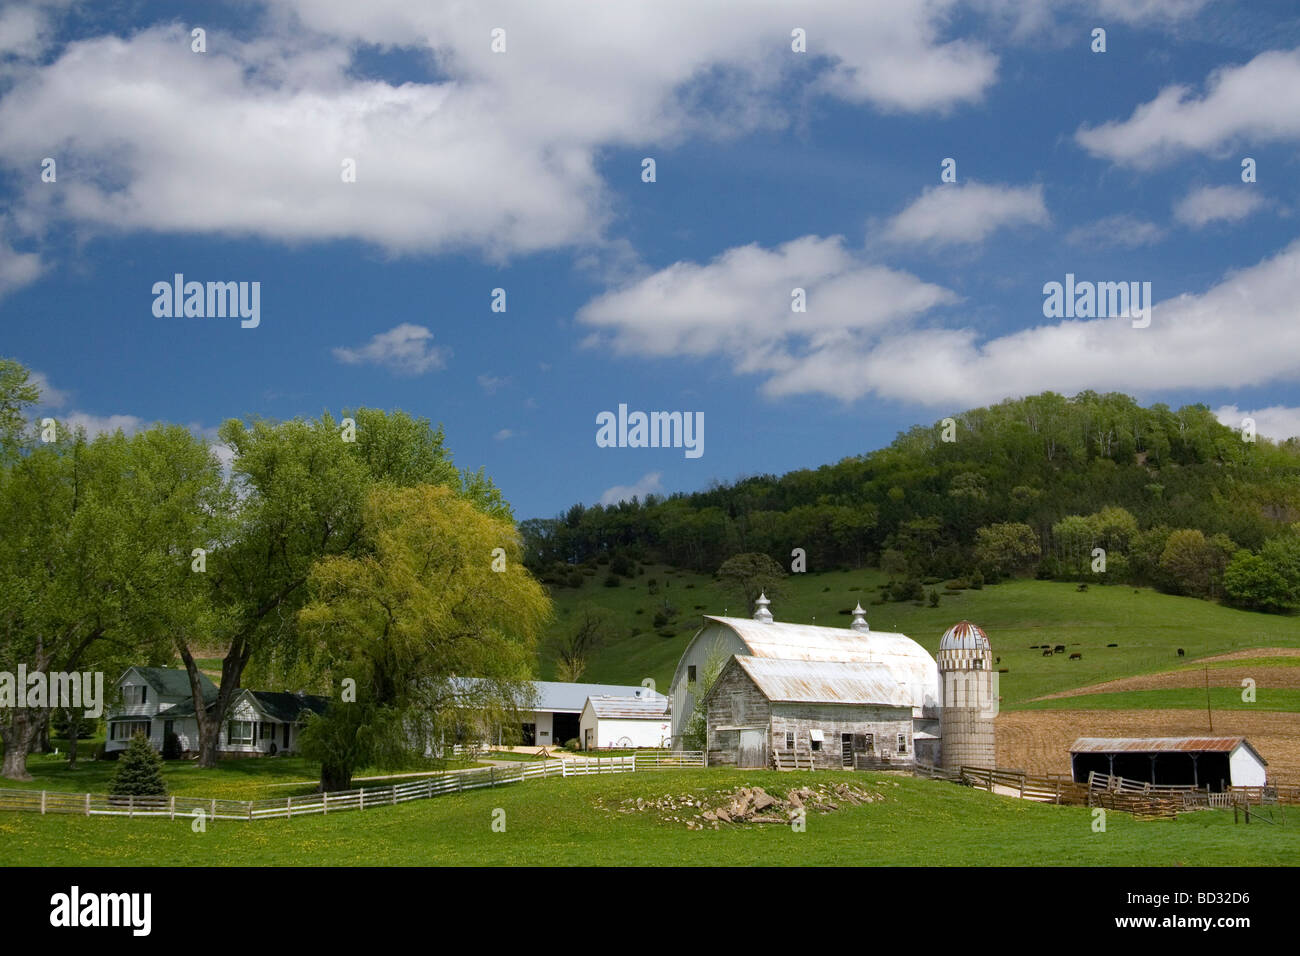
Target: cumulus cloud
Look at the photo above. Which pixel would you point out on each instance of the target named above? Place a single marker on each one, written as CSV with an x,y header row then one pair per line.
x,y
740,305
405,349
17,268
504,434
954,214
1217,204
102,424
880,340
648,484
1144,11
493,383
1121,230
1258,101
495,153
1278,422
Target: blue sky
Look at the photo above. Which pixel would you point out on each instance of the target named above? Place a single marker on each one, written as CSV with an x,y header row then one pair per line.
x,y
522,170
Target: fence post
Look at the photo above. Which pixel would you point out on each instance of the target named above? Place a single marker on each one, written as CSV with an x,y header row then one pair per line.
x,y
288,804
492,776
87,804
130,806
362,794
42,801
214,809
173,807
325,803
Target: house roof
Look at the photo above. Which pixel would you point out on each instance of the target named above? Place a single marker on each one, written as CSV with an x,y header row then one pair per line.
x,y
172,681
284,707
1115,745
824,682
630,708
896,658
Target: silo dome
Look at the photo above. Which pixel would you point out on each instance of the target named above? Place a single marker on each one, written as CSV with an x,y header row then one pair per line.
x,y
964,636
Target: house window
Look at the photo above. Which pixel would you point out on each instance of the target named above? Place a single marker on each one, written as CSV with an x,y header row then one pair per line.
x,y
135,695
126,729
690,673
816,745
239,732
869,745
902,743
267,731
789,740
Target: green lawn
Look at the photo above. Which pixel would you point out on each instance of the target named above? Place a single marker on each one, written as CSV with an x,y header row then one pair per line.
x,y
574,821
253,778
1149,627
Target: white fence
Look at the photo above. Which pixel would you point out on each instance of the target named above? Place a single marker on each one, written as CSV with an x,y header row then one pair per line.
x,y
99,804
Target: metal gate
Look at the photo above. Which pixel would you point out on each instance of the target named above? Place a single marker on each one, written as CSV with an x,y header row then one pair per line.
x,y
753,750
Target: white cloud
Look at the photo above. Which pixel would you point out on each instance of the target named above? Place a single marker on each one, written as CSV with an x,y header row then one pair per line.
x,y
1143,11
493,383
498,154
1121,230
405,349
504,434
955,213
1277,421
875,341
51,397
17,268
1257,102
739,305
648,484
102,424
1217,204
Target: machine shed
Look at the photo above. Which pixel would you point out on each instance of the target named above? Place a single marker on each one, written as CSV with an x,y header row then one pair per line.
x,y
1213,762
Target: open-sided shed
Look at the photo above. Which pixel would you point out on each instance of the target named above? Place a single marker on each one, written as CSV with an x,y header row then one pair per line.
x,y
1214,762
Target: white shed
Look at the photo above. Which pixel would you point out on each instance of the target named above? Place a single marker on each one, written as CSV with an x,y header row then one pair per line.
x,y
626,722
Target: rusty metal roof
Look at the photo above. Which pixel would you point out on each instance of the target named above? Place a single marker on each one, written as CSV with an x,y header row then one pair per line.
x,y
1115,745
895,659
964,636
824,682
630,708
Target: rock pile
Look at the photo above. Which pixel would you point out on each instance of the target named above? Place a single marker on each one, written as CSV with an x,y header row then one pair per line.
x,y
750,805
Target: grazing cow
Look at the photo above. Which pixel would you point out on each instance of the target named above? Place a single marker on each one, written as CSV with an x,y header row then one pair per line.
x,y
997,660
1112,645
1047,653
1180,652
1059,648
1076,656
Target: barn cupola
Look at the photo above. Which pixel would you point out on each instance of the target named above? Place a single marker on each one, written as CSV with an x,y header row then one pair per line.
x,y
860,620
761,612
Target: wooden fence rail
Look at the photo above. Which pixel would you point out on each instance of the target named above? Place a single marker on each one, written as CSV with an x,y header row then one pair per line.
x,y
424,788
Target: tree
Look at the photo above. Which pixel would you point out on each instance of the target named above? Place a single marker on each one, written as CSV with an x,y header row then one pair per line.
x,y
590,627
139,771
419,608
1193,563
302,488
695,733
750,574
1006,548
1251,582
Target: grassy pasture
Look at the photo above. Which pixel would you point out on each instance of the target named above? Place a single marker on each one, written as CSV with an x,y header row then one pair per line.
x,y
576,821
1149,627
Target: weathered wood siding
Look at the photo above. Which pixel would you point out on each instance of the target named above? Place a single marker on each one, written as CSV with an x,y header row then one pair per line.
x,y
883,723
734,701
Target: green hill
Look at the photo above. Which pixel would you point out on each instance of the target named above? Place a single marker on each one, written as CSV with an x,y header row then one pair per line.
x,y
1148,626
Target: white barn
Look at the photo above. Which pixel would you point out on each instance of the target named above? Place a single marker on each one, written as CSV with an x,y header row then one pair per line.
x,y
626,721
894,661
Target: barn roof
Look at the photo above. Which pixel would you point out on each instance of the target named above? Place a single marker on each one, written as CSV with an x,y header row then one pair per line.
x,y
630,708
824,682
1115,745
560,697
894,658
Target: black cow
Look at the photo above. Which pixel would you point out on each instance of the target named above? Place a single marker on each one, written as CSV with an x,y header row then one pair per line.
x,y
1112,645
1059,648
1180,652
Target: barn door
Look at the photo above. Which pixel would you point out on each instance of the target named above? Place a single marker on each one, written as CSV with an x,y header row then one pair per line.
x,y
846,749
751,749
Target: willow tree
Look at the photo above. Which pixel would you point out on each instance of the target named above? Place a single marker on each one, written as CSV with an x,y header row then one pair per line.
x,y
433,623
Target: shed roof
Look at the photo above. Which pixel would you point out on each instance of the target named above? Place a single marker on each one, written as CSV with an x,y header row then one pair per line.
x,y
630,708
824,682
1115,745
570,698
